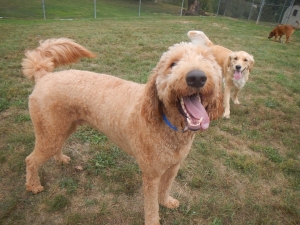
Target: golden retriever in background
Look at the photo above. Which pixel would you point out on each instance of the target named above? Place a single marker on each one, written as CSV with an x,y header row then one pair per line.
x,y
281,30
236,67
153,122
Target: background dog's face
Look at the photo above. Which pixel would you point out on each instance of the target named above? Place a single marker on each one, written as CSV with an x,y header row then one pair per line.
x,y
272,34
240,61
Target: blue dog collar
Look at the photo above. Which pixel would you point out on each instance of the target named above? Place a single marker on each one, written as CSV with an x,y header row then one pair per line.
x,y
168,122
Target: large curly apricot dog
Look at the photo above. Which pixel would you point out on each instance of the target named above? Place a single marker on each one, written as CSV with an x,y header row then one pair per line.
x,y
154,122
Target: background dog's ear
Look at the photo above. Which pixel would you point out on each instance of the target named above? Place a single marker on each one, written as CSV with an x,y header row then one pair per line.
x,y
151,106
229,60
251,61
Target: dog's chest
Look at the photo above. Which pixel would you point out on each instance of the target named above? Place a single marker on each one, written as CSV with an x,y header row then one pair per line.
x,y
239,83
176,149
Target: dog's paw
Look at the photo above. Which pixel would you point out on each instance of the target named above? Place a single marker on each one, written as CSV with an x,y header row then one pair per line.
x,y
62,159
171,203
226,116
152,223
236,102
34,189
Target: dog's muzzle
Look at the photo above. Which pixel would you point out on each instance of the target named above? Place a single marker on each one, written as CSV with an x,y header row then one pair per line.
x,y
191,106
196,78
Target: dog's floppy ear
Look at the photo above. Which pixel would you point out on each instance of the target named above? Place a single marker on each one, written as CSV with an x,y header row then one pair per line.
x,y
251,62
215,108
151,105
229,60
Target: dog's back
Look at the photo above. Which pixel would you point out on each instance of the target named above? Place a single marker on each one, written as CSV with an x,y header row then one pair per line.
x,y
282,29
221,55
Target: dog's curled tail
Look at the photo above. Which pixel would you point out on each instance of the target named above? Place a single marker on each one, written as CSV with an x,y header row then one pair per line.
x,y
198,37
50,54
298,25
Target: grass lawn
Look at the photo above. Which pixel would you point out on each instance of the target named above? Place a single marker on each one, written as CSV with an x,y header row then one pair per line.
x,y
70,9
245,170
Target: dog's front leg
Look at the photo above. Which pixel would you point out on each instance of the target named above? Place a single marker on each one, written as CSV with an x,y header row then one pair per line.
x,y
235,96
151,207
165,186
226,102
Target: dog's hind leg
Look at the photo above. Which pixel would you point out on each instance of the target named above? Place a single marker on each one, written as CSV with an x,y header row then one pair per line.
x,y
48,144
45,148
59,156
287,40
51,131
165,186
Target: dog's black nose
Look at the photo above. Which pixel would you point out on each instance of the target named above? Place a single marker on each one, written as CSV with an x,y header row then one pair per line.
x,y
238,67
196,78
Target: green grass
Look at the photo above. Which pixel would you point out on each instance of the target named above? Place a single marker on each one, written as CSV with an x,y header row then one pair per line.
x,y
58,203
80,9
245,170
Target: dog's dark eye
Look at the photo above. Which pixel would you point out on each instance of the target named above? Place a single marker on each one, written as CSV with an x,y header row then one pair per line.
x,y
245,60
235,58
173,64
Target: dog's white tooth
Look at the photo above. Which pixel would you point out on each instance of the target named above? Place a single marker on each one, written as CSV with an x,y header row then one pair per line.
x,y
182,103
199,99
200,120
184,109
188,120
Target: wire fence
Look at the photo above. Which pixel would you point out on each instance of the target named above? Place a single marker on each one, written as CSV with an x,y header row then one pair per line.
x,y
272,11
266,11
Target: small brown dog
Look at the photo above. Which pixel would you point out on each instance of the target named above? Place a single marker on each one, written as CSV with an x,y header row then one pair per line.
x,y
236,67
281,30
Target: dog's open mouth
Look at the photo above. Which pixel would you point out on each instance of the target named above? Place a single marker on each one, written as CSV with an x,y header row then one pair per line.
x,y
194,112
237,74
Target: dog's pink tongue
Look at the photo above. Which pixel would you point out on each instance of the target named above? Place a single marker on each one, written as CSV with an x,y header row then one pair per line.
x,y
197,110
237,75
